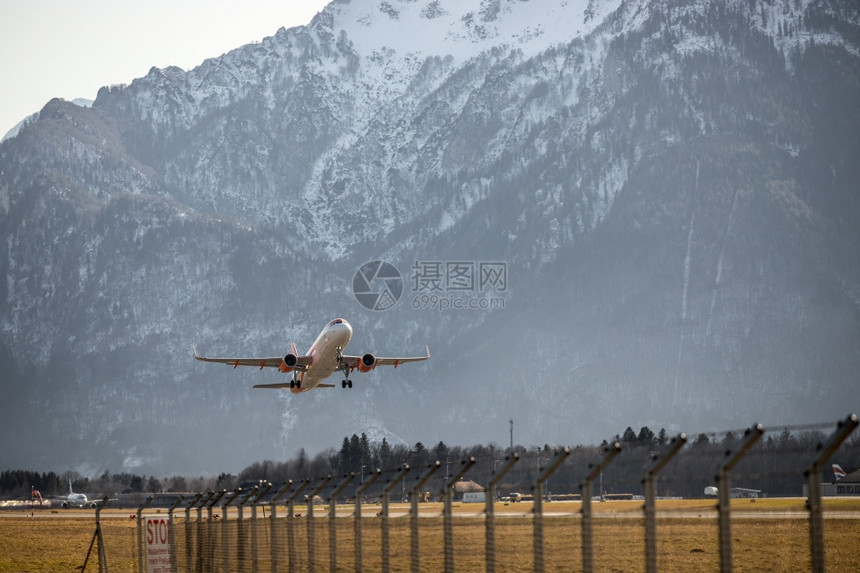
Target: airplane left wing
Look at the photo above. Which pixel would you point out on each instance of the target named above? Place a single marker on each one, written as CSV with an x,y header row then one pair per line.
x,y
369,361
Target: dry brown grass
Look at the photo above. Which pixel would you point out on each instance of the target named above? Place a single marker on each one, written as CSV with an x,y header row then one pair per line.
x,y
56,543
687,539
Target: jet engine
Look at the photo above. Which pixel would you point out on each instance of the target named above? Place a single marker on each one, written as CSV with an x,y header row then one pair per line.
x,y
289,362
367,362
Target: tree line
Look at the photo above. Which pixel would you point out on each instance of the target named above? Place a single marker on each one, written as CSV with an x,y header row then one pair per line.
x,y
17,484
775,466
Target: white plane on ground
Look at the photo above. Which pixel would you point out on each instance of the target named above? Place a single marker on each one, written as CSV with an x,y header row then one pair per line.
x,y
75,499
324,358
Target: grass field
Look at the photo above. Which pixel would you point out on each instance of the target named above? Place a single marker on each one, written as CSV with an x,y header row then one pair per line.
x,y
768,534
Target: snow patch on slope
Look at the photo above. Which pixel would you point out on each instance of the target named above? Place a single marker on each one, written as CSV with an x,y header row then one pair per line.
x,y
464,28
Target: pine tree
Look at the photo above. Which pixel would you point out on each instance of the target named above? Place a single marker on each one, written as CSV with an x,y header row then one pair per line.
x,y
662,438
365,459
343,456
645,437
629,437
354,463
419,457
384,460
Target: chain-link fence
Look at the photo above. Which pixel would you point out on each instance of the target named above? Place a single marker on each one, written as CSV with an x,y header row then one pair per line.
x,y
737,500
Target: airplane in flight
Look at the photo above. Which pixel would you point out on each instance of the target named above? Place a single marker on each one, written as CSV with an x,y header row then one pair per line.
x,y
324,358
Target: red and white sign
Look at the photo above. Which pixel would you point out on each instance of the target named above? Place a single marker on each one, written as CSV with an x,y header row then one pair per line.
x,y
157,544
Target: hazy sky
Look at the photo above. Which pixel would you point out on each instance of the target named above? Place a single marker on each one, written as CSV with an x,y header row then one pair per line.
x,y
70,49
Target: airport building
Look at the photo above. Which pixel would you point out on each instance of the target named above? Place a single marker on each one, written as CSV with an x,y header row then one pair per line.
x,y
468,491
849,485
745,493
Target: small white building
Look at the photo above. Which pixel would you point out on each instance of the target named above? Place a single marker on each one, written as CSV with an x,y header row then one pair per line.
x,y
468,491
745,493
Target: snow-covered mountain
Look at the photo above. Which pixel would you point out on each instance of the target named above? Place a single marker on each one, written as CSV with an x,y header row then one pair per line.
x,y
668,188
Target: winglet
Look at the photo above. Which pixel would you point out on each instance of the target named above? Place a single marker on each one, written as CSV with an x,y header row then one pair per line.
x,y
194,350
428,351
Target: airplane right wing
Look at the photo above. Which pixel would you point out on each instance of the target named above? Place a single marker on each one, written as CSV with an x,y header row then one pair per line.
x,y
369,361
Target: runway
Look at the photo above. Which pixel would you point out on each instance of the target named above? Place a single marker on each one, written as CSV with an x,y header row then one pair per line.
x,y
767,509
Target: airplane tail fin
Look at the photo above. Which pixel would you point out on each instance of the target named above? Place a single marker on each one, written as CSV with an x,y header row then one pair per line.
x,y
838,472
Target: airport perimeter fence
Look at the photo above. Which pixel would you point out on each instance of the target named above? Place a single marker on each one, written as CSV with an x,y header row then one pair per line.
x,y
744,500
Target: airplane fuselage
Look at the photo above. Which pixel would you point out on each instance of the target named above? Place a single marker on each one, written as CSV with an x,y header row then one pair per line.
x,y
325,353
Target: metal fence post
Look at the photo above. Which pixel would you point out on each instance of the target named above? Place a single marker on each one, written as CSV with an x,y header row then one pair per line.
x,y
198,526
413,513
585,487
255,561
188,538
174,565
447,524
140,509
358,493
311,542
241,551
99,540
489,508
291,535
538,508
273,515
724,486
332,529
225,535
813,479
210,535
386,550
650,481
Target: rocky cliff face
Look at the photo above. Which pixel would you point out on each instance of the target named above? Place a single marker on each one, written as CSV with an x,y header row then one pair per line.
x,y
671,190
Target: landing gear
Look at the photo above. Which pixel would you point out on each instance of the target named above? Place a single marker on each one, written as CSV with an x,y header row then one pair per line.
x,y
343,367
295,383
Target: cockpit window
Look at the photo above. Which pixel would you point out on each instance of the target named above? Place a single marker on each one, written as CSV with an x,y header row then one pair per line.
x,y
336,321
